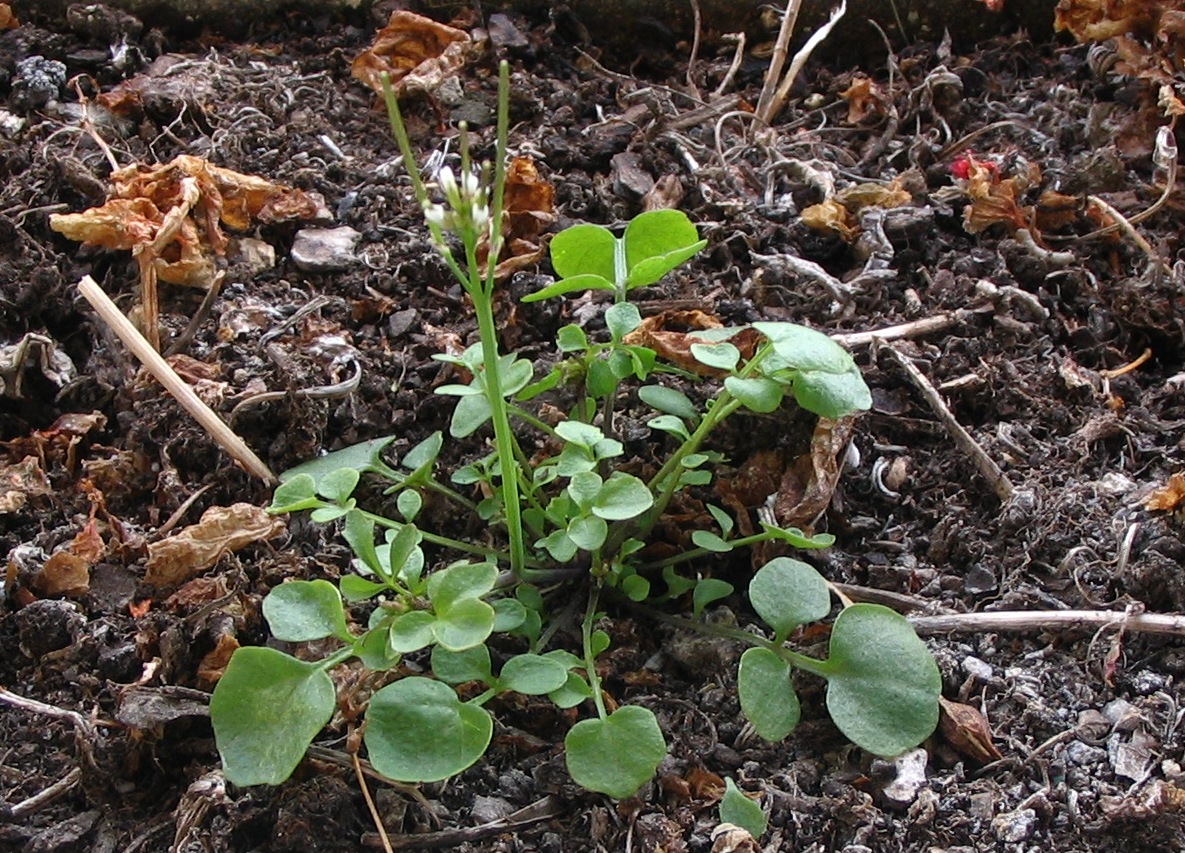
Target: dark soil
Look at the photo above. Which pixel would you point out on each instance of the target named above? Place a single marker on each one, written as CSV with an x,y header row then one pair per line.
x,y
1086,721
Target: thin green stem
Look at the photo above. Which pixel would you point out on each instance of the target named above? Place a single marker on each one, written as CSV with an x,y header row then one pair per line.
x,y
590,660
527,418
503,436
695,553
338,657
435,539
796,659
400,132
499,186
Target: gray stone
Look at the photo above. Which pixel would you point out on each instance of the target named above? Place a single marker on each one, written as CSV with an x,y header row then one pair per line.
x,y
1015,827
911,776
325,249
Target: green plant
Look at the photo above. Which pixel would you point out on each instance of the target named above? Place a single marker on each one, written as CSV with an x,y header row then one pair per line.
x,y
569,518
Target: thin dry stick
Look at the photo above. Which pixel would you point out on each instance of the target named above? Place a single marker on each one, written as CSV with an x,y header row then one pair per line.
x,y
773,74
48,795
987,466
1172,624
173,383
374,812
912,329
1129,367
1124,225
800,58
737,57
82,725
694,48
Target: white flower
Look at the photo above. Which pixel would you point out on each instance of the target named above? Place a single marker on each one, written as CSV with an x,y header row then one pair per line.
x,y
434,214
448,183
480,215
470,184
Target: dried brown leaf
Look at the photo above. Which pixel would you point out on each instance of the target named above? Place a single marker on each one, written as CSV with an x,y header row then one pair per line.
x,y
809,482
865,100
831,215
860,196
1099,20
417,52
64,573
1158,798
8,20
171,216
195,549
21,481
993,201
1169,496
967,730
671,335
214,664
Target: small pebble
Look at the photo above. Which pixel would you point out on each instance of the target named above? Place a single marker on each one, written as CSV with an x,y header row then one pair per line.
x,y
1015,827
325,249
976,668
911,777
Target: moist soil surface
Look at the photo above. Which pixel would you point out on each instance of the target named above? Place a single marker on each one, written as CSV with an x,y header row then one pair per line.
x,y
1060,357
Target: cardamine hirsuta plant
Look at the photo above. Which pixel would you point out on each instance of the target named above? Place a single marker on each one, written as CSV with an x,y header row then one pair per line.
x,y
571,522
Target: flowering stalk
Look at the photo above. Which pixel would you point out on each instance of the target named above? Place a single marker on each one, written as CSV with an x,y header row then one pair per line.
x,y
472,210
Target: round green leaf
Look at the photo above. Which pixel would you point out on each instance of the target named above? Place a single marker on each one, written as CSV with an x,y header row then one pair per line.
x,y
635,587
337,485
722,356
299,611
424,453
882,682
467,623
469,415
599,641
668,400
412,631
574,691
355,588
709,590
739,810
767,695
374,650
806,349
509,613
571,338
787,593
621,318
460,580
710,541
579,433
671,424
588,532
417,731
532,675
458,667
656,242
756,393
832,395
583,250
294,494
616,755
266,710
409,504
622,496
